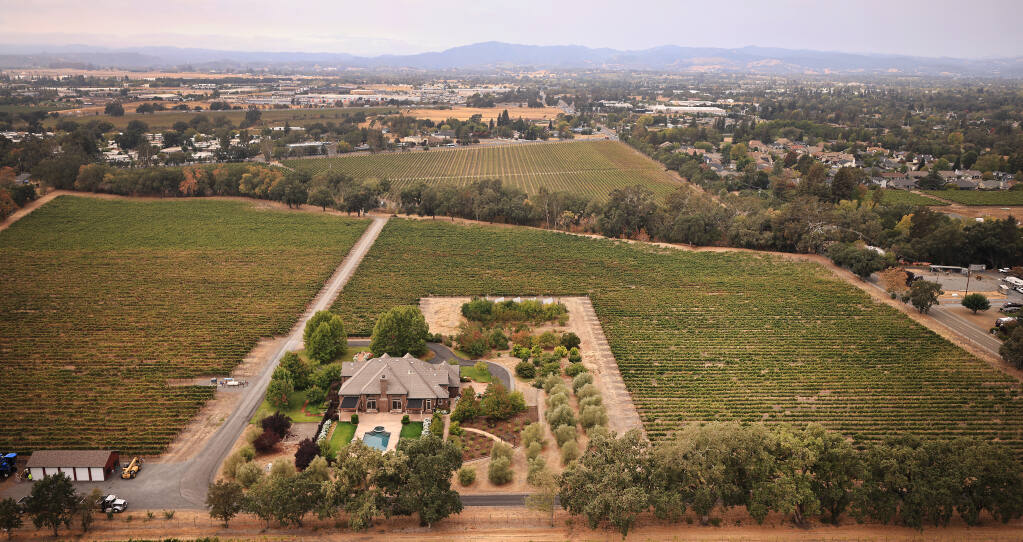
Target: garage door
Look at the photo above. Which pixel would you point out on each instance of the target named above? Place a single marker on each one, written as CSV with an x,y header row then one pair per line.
x,y
50,471
82,474
97,474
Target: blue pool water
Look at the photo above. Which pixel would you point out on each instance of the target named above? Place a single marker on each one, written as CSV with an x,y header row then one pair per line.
x,y
377,440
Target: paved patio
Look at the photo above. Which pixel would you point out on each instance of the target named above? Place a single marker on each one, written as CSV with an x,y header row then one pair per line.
x,y
390,422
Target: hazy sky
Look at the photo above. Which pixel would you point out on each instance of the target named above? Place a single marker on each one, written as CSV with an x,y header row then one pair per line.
x,y
974,28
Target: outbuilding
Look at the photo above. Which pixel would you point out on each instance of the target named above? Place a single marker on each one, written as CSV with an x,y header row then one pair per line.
x,y
79,465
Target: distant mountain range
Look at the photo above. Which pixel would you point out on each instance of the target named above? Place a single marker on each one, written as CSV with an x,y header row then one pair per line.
x,y
493,56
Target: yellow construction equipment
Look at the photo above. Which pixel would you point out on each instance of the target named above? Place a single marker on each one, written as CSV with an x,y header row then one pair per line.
x,y
131,469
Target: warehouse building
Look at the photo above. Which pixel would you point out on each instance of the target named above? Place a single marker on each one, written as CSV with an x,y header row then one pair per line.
x,y
79,465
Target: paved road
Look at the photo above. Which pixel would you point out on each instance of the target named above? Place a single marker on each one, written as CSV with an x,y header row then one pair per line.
x,y
183,485
982,338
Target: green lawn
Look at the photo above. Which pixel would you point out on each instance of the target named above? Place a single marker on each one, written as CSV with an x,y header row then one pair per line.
x,y
343,434
295,401
478,376
412,430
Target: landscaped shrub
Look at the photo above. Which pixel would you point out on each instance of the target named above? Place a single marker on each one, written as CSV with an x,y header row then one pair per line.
x,y
561,415
580,381
570,340
315,395
327,375
467,407
556,400
537,466
592,415
523,340
550,368
533,433
560,352
247,452
248,474
547,340
455,429
499,404
569,452
533,449
574,356
500,471
500,449
591,400
232,463
404,420
466,476
574,369
307,450
478,310
277,423
498,340
525,370
354,419
551,381
564,433
472,339
266,442
589,390
437,425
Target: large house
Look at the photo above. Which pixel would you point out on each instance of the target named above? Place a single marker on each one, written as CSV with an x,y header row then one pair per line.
x,y
405,384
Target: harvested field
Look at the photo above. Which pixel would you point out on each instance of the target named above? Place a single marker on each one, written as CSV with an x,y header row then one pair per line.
x,y
591,168
703,336
106,300
979,197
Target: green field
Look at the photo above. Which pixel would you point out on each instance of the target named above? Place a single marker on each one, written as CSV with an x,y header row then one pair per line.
x,y
980,197
105,300
907,197
164,120
705,336
592,168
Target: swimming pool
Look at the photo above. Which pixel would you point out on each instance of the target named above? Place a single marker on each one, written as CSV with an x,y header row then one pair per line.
x,y
377,438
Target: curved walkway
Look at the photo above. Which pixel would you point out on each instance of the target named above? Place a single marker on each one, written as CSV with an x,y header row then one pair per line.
x,y
491,436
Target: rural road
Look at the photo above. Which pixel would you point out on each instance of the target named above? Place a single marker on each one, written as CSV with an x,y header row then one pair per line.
x,y
183,485
982,338
203,468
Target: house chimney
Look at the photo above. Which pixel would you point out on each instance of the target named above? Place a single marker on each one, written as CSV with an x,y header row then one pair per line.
x,y
383,384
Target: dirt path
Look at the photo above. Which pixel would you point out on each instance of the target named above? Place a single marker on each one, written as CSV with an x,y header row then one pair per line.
x,y
29,207
481,523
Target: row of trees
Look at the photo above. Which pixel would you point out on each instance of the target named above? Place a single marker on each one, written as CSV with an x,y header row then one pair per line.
x,y
363,484
797,473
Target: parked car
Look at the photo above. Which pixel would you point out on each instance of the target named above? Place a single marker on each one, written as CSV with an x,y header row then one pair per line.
x,y
1006,309
1005,270
1012,304
111,503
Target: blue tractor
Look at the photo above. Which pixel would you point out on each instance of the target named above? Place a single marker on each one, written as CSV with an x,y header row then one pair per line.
x,y
7,465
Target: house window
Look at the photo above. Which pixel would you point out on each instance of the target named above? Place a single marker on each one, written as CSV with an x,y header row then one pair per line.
x,y
371,404
395,404
429,404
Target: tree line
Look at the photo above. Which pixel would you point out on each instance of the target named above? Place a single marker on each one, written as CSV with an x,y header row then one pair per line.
x,y
799,474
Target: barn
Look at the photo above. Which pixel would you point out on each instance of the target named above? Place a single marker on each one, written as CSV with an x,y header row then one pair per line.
x,y
79,465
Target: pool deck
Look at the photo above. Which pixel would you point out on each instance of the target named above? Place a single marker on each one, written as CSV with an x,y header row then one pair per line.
x,y
390,422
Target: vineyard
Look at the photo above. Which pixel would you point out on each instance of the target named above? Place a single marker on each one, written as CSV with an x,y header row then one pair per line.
x,y
980,197
106,300
711,336
906,197
593,168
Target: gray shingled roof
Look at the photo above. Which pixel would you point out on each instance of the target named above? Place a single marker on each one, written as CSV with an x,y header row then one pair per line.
x,y
405,376
69,458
